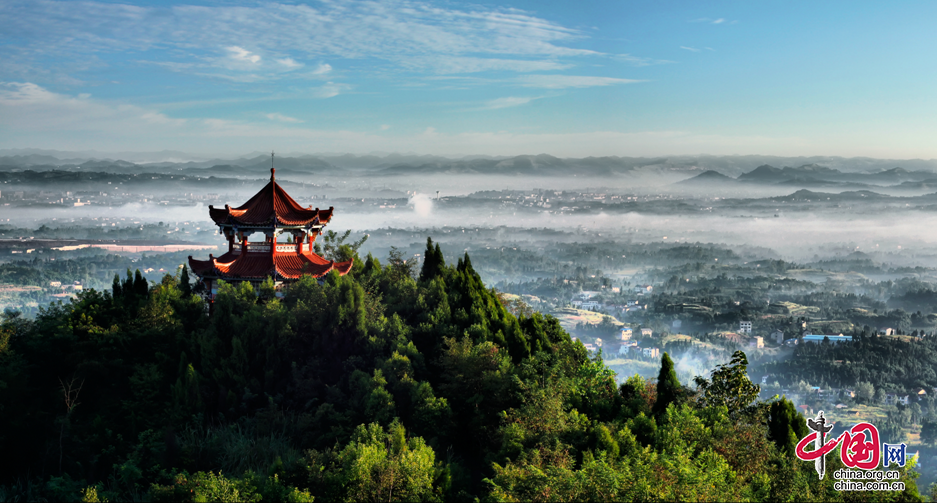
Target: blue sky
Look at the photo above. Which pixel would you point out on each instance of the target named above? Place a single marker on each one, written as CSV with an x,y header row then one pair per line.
x,y
630,78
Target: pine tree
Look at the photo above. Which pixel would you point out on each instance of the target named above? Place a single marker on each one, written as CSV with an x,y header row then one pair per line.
x,y
116,286
140,286
433,263
184,285
668,386
429,261
127,287
785,425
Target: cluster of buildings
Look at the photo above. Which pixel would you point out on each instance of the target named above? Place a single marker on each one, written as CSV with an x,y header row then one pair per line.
x,y
585,301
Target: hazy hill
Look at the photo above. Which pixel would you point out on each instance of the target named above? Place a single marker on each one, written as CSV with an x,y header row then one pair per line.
x,y
708,178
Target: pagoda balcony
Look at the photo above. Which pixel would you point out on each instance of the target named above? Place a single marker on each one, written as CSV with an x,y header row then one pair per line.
x,y
263,248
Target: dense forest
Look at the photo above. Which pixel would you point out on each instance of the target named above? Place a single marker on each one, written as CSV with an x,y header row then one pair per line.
x,y
385,384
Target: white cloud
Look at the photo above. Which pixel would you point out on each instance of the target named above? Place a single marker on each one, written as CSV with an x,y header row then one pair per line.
x,y
407,34
455,65
710,20
322,69
639,61
329,90
283,118
28,110
570,81
385,127
693,49
240,54
510,101
289,63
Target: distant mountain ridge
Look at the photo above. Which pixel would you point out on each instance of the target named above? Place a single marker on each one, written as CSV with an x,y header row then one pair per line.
x,y
811,170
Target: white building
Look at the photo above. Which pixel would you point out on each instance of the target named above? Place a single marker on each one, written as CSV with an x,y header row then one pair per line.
x,y
778,336
651,352
590,305
626,334
745,327
646,332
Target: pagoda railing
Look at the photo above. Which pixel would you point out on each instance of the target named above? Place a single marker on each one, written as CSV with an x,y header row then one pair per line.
x,y
262,247
251,247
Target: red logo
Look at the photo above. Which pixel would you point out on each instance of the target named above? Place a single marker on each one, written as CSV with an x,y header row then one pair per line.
x,y
859,447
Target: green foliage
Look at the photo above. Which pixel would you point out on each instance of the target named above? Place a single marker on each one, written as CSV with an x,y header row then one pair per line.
x,y
668,386
204,486
785,425
371,386
729,385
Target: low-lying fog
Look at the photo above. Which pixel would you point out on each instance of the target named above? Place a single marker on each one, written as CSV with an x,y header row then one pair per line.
x,y
804,213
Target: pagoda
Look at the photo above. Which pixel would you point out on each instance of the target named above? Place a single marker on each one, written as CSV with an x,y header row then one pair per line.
x,y
270,213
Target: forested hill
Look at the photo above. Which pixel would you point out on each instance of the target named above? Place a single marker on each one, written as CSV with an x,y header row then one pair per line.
x,y
388,384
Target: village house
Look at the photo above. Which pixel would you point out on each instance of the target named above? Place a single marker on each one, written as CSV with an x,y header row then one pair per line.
x,y
777,336
626,334
646,332
627,347
589,305
651,352
745,327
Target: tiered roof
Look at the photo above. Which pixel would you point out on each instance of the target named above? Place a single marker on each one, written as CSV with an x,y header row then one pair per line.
x,y
261,265
272,202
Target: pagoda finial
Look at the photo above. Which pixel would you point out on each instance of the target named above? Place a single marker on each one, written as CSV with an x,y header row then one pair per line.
x,y
272,169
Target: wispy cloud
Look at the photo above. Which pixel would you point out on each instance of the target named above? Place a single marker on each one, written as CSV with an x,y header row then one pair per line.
x,y
329,90
691,49
709,20
639,61
322,69
570,81
509,101
241,54
26,108
289,63
407,34
283,118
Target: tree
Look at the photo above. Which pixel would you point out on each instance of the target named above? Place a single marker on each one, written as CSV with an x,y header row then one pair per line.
x,y
433,261
929,430
400,268
865,392
334,246
729,385
668,386
140,286
115,288
184,284
785,425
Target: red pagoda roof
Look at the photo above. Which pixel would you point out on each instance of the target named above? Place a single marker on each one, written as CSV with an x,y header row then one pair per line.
x,y
272,201
261,265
